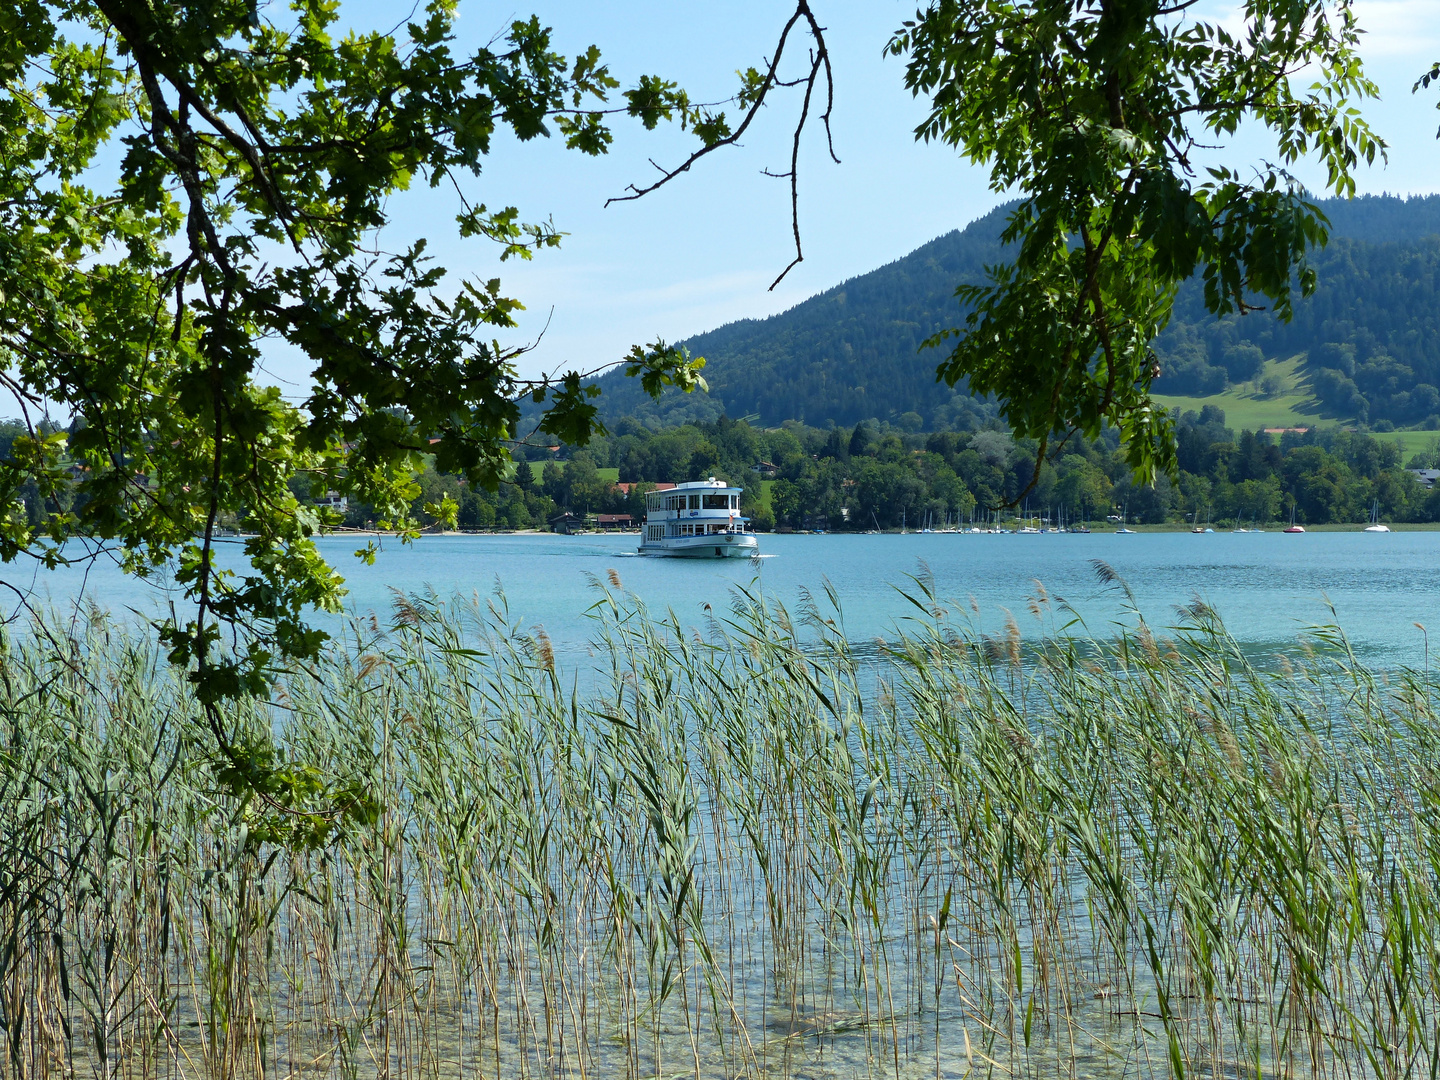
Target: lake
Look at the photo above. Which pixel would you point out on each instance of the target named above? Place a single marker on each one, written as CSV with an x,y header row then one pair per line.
x,y
1267,586
730,868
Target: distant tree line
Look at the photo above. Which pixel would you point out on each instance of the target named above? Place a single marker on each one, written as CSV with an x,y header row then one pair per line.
x,y
878,475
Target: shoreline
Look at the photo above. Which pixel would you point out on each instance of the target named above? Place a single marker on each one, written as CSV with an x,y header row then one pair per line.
x,y
1098,530
1105,530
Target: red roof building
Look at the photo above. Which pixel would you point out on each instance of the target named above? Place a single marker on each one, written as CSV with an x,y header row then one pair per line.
x,y
626,488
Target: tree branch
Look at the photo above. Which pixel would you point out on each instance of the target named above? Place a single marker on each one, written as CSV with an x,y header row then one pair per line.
x,y
819,64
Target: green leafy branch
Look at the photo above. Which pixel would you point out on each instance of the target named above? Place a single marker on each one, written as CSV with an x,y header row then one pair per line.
x,y
1097,112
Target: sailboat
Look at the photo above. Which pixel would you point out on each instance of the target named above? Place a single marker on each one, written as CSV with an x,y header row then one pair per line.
x,y
1292,527
1375,526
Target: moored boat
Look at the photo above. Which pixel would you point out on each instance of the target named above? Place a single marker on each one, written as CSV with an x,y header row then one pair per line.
x,y
1376,525
697,520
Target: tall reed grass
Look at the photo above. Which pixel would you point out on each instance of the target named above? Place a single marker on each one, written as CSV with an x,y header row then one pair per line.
x,y
755,848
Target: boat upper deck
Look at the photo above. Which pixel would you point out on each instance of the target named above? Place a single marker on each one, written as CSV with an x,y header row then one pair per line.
x,y
696,498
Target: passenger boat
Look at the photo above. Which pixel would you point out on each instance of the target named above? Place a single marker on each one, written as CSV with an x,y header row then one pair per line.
x,y
697,520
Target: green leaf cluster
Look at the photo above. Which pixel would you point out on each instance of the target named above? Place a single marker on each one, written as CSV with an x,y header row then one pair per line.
x,y
1097,113
187,185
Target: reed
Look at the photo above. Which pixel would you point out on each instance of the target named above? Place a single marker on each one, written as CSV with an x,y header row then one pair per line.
x,y
752,848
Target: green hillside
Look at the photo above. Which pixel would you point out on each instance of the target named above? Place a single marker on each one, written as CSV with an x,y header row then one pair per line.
x,y
1370,335
1278,397
1364,349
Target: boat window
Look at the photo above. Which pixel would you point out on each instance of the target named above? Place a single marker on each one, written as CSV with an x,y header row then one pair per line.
x,y
717,502
694,502
734,502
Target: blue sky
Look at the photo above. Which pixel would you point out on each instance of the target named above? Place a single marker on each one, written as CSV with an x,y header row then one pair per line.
x,y
703,251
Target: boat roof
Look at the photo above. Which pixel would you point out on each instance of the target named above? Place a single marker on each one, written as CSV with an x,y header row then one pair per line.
x,y
708,485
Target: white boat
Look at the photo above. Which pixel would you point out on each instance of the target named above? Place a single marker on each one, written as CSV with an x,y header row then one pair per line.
x,y
697,520
1375,526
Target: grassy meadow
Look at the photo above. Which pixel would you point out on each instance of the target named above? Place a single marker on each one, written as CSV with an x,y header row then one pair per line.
x,y
1248,407
749,849
1290,404
1410,442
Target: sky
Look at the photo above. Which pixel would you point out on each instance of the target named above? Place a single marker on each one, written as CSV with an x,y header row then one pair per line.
x,y
703,251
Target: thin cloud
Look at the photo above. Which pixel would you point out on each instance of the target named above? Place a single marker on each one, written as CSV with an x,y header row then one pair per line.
x,y
1395,28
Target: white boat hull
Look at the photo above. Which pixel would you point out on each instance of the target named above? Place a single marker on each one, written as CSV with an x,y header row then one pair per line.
x,y
717,546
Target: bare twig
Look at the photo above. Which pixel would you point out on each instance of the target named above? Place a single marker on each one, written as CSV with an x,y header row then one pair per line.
x,y
819,62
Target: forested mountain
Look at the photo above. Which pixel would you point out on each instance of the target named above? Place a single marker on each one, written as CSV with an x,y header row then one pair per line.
x,y
851,353
1371,333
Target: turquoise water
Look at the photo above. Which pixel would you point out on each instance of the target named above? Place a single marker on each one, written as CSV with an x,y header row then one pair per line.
x,y
808,1004
1268,587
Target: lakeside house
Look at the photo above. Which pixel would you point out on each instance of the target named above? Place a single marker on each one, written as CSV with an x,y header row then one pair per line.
x,y
1427,477
566,523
